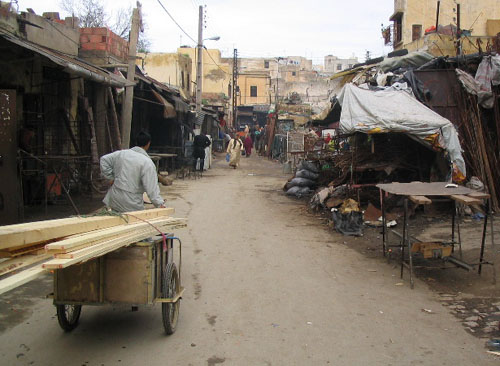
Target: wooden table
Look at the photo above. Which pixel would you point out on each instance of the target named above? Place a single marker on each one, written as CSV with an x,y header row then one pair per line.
x,y
156,157
419,193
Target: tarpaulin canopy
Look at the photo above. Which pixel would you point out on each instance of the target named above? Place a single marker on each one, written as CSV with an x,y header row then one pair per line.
x,y
397,111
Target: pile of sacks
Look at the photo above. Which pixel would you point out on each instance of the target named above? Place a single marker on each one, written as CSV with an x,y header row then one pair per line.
x,y
304,181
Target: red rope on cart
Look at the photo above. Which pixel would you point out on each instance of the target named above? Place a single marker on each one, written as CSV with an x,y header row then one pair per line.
x,y
154,227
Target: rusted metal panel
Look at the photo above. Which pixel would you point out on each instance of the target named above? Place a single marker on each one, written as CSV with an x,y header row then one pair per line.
x,y
10,199
444,89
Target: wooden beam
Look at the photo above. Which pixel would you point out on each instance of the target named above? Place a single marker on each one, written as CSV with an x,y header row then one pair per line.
x,y
28,234
479,195
420,200
21,278
88,239
101,249
129,90
15,264
466,199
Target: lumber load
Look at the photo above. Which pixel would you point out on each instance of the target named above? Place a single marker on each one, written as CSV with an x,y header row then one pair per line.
x,y
100,248
15,264
77,240
17,236
21,278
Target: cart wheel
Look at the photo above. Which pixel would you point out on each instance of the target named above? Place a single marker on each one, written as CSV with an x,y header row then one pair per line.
x,y
68,316
170,288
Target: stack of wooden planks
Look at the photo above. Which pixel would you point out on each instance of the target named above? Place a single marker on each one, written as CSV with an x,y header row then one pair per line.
x,y
55,244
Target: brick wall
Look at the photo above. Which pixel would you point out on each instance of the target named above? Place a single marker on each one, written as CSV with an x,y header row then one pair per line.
x,y
102,40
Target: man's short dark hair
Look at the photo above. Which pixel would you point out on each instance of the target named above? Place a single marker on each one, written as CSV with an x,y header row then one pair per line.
x,y
142,138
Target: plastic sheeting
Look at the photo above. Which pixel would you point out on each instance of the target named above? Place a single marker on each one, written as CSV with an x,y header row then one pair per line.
x,y
413,60
396,111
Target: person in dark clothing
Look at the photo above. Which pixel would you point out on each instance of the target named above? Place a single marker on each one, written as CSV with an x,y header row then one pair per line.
x,y
200,143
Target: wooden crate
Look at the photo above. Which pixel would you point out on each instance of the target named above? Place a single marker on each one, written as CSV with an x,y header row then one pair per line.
x,y
126,276
432,249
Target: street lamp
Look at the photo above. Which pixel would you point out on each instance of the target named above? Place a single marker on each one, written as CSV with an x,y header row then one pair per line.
x,y
199,66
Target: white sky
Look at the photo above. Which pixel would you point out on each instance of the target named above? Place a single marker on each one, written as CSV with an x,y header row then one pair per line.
x,y
262,28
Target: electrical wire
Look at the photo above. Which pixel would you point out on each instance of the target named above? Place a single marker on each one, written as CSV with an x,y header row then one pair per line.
x,y
209,55
171,17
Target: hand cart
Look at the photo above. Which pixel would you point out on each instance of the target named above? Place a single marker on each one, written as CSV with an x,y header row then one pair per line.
x,y
141,274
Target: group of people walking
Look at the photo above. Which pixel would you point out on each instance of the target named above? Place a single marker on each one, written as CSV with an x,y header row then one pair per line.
x,y
244,142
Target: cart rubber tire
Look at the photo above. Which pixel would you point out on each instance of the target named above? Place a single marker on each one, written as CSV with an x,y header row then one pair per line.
x,y
170,288
68,316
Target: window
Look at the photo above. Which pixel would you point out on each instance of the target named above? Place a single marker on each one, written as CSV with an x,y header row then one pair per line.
x,y
416,32
266,64
294,73
350,66
398,29
182,79
339,67
253,91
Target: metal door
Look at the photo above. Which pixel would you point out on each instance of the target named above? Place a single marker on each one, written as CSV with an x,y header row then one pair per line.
x,y
10,203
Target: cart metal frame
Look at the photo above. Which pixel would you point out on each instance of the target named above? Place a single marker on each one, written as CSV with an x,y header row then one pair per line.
x,y
144,273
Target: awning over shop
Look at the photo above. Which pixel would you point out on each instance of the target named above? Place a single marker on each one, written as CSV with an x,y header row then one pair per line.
x,y
72,65
168,108
397,111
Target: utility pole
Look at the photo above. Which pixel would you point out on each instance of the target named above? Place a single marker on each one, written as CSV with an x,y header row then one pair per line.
x,y
199,66
129,90
459,31
235,82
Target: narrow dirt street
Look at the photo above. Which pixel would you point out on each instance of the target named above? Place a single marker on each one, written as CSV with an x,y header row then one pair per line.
x,y
267,284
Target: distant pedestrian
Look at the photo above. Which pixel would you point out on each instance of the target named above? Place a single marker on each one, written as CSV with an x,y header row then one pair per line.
x,y
248,144
234,150
200,143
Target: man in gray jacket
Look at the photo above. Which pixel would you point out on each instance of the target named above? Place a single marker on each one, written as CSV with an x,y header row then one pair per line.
x,y
132,173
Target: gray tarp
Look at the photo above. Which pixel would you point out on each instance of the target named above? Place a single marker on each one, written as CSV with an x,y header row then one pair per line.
x,y
397,111
413,60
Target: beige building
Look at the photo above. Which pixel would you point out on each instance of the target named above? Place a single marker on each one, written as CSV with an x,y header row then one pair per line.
x,y
170,68
334,64
216,74
254,88
478,19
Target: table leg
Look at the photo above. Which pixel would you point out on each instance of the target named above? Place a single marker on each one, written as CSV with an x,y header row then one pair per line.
x,y
403,237
408,242
490,212
384,228
483,240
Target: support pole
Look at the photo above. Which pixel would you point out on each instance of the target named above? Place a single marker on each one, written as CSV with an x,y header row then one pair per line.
x,y
129,90
199,66
437,15
235,84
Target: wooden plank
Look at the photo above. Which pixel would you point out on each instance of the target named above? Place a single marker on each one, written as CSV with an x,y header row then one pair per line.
x,y
102,248
15,264
420,200
91,246
88,239
20,278
466,199
28,234
479,195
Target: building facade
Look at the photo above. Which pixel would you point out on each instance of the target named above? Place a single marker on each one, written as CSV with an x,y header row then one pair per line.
x,y
334,64
411,19
173,69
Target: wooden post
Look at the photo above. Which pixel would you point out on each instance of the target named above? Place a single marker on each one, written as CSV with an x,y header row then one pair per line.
x,y
115,127
129,90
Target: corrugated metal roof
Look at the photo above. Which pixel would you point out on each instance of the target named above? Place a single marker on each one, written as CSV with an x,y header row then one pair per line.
x,y
71,64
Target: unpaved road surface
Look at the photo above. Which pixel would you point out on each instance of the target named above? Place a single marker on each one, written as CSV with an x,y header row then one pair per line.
x,y
267,284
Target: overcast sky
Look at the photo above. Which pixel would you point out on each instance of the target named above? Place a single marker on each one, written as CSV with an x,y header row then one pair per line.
x,y
262,28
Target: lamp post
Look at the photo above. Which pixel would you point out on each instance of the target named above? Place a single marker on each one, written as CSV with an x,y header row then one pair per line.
x,y
199,66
